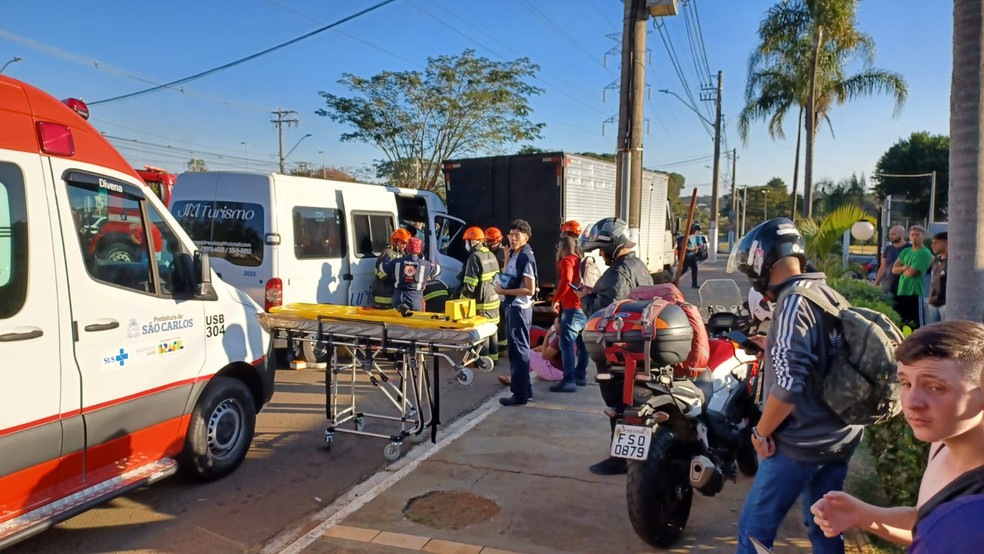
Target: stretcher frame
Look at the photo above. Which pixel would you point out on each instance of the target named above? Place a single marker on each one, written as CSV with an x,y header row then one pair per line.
x,y
415,399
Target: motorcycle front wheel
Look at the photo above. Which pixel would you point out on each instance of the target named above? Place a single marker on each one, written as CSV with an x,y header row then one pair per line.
x,y
658,492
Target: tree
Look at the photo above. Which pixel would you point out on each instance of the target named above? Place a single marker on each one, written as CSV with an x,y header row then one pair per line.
x,y
823,235
802,60
458,105
849,191
921,153
196,165
326,172
966,254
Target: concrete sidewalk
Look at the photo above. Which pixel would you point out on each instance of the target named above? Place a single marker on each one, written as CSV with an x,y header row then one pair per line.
x,y
516,480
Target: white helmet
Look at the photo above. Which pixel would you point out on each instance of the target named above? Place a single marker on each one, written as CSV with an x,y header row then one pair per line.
x,y
760,307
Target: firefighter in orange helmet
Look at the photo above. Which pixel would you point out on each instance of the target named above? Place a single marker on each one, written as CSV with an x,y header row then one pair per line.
x,y
480,269
493,241
382,285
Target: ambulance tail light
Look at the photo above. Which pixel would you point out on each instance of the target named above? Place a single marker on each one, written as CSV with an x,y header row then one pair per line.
x,y
56,139
274,294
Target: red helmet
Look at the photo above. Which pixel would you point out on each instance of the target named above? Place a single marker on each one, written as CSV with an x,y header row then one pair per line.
x,y
400,235
415,246
572,227
473,233
493,234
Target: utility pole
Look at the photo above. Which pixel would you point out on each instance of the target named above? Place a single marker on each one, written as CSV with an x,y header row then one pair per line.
x,y
715,200
733,219
622,151
283,119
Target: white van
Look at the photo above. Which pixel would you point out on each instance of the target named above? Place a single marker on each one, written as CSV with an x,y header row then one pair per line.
x,y
283,239
120,353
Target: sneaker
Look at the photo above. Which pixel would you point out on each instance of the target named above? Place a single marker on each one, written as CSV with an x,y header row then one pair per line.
x,y
512,400
609,466
563,387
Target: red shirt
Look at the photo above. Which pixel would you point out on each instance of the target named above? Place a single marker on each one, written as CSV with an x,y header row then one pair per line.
x,y
568,271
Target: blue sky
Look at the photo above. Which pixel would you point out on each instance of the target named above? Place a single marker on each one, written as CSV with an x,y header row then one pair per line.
x,y
101,50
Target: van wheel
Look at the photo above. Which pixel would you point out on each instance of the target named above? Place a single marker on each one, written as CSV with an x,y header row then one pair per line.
x,y
220,431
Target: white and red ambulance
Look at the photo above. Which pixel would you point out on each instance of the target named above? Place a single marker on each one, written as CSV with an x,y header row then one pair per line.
x,y
113,368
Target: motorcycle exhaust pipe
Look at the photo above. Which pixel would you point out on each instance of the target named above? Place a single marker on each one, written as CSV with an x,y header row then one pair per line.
x,y
705,476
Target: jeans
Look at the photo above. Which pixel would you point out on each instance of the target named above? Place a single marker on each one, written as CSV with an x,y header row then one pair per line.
x,y
690,262
518,322
572,323
934,314
778,483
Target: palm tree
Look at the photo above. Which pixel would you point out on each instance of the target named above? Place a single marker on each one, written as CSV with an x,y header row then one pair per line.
x,y
802,59
966,258
823,236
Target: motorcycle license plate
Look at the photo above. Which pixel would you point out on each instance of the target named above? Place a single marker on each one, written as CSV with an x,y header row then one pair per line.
x,y
631,442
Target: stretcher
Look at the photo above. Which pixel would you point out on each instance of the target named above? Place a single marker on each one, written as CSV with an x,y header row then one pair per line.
x,y
391,349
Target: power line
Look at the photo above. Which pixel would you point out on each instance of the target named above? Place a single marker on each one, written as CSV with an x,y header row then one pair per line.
x,y
560,31
244,59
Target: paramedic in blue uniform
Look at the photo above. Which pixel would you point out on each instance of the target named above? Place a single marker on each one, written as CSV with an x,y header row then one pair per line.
x,y
517,286
410,274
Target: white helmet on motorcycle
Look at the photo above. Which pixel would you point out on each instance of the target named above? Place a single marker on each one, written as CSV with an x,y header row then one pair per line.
x,y
760,307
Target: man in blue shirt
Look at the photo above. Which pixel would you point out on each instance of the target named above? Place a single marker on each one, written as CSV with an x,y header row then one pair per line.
x,y
517,286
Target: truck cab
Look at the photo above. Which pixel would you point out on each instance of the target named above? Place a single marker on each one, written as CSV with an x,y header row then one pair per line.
x,y
118,370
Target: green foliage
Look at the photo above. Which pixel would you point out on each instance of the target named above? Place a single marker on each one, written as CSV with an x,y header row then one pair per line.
x,y
458,105
918,154
899,458
822,236
196,165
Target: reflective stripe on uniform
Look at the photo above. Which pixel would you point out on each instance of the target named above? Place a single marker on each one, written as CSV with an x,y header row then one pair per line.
x,y
435,294
488,307
486,277
382,299
468,280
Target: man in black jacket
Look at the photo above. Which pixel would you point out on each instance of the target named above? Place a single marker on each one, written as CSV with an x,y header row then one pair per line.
x,y
625,272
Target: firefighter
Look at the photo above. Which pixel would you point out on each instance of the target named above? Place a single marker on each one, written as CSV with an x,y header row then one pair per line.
x,y
436,295
493,241
382,285
410,274
480,269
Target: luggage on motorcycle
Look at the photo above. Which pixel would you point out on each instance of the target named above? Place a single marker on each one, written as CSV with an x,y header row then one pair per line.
x,y
860,383
699,349
666,291
627,324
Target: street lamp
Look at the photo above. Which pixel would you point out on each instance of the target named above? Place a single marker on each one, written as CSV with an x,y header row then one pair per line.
x,y
15,60
861,231
689,107
289,152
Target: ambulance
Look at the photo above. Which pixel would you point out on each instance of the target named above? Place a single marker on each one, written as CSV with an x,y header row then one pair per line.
x,y
117,370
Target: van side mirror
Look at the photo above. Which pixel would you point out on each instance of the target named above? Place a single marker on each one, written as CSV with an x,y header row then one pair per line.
x,y
203,270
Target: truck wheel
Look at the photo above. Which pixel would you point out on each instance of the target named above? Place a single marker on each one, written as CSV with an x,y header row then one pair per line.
x,y
658,492
220,431
118,252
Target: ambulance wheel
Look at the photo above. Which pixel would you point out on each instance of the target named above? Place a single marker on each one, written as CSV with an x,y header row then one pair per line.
x,y
220,431
465,376
486,364
392,452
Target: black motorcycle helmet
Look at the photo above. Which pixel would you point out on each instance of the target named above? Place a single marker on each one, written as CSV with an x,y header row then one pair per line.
x,y
762,247
609,235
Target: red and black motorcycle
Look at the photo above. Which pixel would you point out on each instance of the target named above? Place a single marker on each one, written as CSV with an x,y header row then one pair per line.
x,y
682,428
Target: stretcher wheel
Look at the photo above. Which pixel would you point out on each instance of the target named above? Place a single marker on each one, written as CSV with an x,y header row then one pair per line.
x,y
392,451
360,423
419,437
486,364
329,437
465,376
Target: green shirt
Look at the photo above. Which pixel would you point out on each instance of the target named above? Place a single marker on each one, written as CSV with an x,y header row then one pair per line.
x,y
920,260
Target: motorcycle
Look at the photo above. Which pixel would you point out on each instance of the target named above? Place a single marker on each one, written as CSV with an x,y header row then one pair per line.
x,y
691,430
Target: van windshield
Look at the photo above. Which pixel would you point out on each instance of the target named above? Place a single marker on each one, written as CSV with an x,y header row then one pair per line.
x,y
232,231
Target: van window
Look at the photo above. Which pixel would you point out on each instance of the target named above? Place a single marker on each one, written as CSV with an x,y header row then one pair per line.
x,y
372,232
112,235
318,233
13,241
232,231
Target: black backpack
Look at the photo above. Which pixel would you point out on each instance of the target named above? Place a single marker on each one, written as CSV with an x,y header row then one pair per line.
x,y
859,382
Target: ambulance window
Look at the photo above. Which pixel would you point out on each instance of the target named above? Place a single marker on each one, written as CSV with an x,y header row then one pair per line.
x,y
371,233
175,266
112,234
232,231
13,241
318,233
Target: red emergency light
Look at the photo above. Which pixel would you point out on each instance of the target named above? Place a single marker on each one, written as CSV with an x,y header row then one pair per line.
x,y
78,106
56,139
